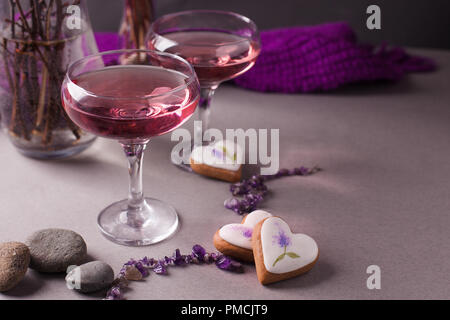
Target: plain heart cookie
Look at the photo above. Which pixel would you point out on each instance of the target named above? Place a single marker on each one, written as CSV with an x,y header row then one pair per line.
x,y
222,160
280,254
235,240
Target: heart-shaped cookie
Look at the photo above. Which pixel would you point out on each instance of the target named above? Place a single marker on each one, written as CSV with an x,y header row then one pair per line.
x,y
235,240
221,160
280,254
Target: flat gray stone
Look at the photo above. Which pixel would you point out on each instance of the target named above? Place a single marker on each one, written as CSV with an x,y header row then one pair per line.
x,y
53,250
14,261
90,277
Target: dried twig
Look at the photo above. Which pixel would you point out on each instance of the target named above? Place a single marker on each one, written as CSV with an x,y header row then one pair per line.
x,y
36,39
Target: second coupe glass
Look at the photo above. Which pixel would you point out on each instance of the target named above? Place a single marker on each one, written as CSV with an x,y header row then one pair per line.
x,y
220,46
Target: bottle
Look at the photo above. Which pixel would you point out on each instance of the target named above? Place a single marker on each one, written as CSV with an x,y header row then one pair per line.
x,y
136,21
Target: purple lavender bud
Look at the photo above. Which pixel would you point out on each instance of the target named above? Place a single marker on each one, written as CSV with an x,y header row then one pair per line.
x,y
188,259
234,190
227,264
254,183
160,269
162,262
244,206
199,252
143,270
257,180
130,262
211,258
148,262
167,260
244,203
251,202
178,259
231,203
239,188
235,186
114,293
253,198
283,172
239,211
250,197
214,256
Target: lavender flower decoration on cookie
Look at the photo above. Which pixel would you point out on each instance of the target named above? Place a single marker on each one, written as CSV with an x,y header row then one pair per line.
x,y
246,232
223,154
283,241
218,154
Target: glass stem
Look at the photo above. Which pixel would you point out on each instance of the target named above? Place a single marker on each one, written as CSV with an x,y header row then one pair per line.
x,y
136,214
204,107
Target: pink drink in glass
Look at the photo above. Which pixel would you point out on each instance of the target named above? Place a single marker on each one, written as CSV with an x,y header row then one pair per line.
x,y
129,116
216,56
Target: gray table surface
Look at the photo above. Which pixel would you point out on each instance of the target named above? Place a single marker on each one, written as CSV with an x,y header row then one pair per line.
x,y
383,198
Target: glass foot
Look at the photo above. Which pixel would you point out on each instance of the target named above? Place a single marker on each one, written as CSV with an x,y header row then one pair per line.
x,y
153,222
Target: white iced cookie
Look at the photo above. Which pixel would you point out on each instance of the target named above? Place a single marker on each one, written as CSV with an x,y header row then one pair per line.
x,y
280,254
222,160
235,239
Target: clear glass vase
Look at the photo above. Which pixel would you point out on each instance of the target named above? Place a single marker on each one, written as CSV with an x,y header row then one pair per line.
x,y
38,40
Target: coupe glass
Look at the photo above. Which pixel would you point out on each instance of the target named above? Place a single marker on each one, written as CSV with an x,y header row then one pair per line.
x,y
220,46
131,96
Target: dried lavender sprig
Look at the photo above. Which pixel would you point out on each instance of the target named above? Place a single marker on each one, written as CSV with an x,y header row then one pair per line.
x,y
253,190
139,269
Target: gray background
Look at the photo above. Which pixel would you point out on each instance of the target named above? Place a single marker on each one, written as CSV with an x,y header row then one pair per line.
x,y
404,22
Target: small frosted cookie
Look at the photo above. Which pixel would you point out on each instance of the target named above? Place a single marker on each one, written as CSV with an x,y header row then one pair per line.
x,y
235,240
280,254
221,160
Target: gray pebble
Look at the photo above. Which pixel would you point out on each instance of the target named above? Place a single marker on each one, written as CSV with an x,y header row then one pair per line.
x,y
14,261
90,277
53,250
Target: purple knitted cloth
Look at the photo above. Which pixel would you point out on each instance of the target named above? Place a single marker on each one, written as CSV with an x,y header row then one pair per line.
x,y
324,57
